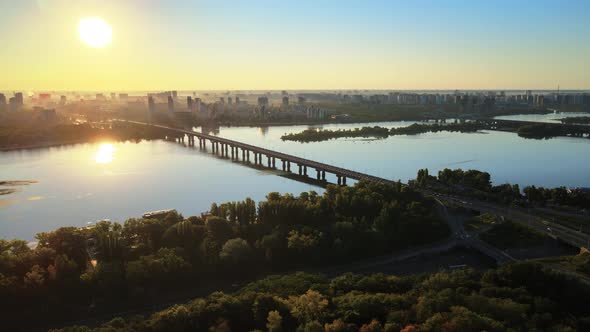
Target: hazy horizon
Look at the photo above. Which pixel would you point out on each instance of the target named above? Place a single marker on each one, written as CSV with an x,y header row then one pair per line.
x,y
294,45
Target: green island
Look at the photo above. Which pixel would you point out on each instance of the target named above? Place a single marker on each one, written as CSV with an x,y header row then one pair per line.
x,y
576,120
316,135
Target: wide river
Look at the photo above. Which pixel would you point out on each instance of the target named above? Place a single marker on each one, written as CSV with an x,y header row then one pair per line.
x,y
80,184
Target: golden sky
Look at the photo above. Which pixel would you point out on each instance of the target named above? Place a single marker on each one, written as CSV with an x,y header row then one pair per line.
x,y
198,45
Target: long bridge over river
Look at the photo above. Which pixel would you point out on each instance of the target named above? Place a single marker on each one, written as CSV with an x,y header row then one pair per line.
x,y
230,148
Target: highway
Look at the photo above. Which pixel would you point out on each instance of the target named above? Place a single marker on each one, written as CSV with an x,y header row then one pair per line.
x,y
520,215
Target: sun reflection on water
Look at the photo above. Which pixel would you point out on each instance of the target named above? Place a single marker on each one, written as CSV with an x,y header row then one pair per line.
x,y
105,154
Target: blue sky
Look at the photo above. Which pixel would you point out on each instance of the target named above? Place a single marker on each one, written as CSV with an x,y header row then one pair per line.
x,y
305,44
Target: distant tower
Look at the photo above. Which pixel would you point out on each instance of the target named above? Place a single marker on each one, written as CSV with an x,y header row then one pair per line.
x,y
170,104
189,103
2,102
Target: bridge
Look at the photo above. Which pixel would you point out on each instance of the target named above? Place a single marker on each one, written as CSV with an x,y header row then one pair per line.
x,y
229,148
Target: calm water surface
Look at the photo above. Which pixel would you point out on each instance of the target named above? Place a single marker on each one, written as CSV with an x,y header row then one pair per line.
x,y
83,183
551,117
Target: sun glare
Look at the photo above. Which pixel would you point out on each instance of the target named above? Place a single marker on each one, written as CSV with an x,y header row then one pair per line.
x,y
105,153
95,32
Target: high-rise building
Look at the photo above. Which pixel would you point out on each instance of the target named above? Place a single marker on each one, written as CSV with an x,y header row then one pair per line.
x,y
285,101
16,103
2,102
189,103
19,98
262,101
197,105
170,104
151,105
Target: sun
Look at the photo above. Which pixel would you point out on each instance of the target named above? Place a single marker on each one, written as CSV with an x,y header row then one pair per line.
x,y
105,154
95,32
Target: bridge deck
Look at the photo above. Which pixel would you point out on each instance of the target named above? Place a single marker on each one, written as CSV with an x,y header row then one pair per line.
x,y
283,156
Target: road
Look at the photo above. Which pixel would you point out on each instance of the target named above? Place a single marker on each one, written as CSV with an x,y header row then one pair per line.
x,y
522,216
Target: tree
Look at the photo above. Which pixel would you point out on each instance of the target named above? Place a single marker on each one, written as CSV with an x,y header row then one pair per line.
x,y
308,307
274,321
236,251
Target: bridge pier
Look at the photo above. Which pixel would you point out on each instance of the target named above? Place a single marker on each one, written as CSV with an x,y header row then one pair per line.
x,y
289,166
268,161
323,175
273,162
260,159
283,165
243,155
318,173
299,169
304,170
344,180
339,180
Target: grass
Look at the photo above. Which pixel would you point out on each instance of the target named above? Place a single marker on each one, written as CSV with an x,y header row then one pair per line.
x,y
578,263
476,223
509,235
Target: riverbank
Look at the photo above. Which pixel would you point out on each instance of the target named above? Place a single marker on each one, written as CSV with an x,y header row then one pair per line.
x,y
41,145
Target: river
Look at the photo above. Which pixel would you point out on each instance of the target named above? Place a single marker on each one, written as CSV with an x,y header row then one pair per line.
x,y
79,184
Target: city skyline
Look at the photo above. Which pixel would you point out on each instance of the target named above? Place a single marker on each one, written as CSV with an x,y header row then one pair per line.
x,y
375,45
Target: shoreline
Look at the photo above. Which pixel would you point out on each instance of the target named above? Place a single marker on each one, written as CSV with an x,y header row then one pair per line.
x,y
42,145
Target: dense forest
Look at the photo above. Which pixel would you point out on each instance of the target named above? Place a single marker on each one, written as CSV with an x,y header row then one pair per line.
x,y
316,135
519,297
74,271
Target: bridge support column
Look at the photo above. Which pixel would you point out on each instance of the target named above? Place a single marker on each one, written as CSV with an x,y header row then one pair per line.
x,y
289,166
339,180
232,153
283,165
344,180
317,174
268,161
243,155
305,170
323,175
299,169
260,159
